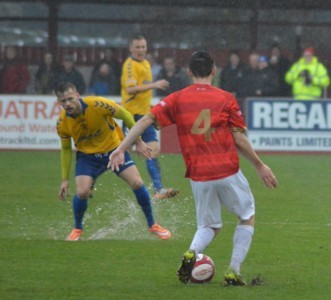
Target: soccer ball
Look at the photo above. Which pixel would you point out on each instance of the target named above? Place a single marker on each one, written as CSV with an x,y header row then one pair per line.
x,y
203,269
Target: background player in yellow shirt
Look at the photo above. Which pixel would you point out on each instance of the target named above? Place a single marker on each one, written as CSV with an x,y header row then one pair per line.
x,y
136,91
89,121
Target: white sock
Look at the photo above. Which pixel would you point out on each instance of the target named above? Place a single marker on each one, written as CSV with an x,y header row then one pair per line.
x,y
241,243
202,239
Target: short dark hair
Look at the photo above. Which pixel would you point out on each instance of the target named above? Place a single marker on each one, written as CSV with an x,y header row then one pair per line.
x,y
137,37
63,87
201,64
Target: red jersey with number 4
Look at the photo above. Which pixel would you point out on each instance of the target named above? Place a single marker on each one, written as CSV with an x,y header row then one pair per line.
x,y
205,117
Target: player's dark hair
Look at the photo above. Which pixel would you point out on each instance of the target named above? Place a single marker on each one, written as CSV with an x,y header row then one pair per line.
x,y
201,64
63,87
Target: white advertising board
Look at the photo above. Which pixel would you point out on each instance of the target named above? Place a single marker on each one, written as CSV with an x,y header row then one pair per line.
x,y
28,122
289,125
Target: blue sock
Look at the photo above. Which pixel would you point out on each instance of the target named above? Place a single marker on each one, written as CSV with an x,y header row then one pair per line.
x,y
153,168
144,201
79,206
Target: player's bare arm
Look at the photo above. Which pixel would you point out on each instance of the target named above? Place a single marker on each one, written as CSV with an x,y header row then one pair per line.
x,y
159,84
117,157
129,121
246,149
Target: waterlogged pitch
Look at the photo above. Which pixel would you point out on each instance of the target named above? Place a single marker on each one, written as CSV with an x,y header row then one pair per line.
x,y
119,259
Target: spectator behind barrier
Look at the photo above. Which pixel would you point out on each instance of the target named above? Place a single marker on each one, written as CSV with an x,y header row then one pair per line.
x,y
233,77
251,74
176,77
266,81
155,66
308,77
114,70
14,75
103,82
68,73
46,75
280,64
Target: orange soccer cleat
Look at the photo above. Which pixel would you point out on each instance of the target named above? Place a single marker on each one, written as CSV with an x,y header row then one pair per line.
x,y
161,232
74,235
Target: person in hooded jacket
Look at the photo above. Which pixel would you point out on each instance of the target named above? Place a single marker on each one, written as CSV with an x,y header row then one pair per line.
x,y
308,77
176,77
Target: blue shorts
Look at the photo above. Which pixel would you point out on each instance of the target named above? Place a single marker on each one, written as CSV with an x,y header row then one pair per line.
x,y
95,164
149,135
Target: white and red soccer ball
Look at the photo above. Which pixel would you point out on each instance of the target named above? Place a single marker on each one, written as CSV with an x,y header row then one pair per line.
x,y
203,269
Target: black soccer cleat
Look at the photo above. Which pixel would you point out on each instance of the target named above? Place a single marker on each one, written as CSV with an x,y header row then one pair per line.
x,y
184,272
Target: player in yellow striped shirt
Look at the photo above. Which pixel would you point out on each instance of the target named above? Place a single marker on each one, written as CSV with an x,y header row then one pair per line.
x,y
89,121
137,85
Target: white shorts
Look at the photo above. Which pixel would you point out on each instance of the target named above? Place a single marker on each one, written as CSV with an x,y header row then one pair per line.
x,y
233,192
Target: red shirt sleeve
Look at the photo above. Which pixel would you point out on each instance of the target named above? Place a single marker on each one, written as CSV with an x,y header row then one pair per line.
x,y
236,118
164,111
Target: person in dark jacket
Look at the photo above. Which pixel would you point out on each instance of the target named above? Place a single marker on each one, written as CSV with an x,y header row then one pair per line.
x,y
109,57
103,82
15,75
266,81
69,73
46,75
251,74
176,77
280,64
232,76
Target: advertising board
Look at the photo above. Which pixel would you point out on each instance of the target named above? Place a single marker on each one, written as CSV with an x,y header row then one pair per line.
x,y
289,125
28,122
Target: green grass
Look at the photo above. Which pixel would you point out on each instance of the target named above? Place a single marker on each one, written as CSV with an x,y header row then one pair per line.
x,y
119,259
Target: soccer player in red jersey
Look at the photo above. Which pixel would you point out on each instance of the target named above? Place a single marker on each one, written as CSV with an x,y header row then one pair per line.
x,y
211,132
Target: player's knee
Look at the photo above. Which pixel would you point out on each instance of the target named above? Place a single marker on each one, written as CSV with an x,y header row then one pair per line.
x,y
134,180
137,183
83,194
